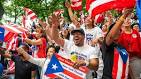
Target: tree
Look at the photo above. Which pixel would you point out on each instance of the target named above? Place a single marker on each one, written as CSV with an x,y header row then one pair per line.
x,y
1,9
43,8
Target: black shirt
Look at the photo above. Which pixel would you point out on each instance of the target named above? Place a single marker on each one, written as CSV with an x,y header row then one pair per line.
x,y
108,55
22,68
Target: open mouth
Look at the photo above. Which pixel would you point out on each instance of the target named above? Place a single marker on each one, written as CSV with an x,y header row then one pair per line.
x,y
76,39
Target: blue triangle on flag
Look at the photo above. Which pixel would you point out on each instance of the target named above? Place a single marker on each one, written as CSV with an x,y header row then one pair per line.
x,y
54,66
2,31
123,53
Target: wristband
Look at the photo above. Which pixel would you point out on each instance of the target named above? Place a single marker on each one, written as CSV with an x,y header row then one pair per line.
x,y
122,20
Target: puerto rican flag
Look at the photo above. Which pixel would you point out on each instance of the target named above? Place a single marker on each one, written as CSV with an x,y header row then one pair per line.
x,y
29,19
62,68
9,35
29,13
76,4
121,64
95,7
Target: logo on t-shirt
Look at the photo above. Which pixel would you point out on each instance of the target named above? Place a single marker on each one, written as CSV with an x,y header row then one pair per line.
x,y
77,56
89,38
134,35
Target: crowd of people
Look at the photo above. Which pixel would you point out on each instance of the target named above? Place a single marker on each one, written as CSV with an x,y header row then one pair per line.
x,y
85,43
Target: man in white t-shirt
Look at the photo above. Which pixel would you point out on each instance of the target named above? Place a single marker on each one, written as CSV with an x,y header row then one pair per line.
x,y
79,52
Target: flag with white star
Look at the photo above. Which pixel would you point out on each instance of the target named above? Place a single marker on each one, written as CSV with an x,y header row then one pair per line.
x,y
120,63
54,66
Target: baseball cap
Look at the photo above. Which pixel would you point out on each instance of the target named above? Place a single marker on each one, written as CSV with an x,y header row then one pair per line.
x,y
80,30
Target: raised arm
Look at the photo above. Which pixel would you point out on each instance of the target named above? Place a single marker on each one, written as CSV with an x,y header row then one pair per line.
x,y
26,56
116,28
55,31
33,42
73,17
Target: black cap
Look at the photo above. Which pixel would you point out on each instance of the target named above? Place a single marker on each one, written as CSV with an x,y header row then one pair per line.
x,y
80,30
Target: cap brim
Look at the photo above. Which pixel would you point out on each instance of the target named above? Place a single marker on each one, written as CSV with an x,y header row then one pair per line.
x,y
74,31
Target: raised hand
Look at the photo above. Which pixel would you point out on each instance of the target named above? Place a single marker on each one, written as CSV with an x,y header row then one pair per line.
x,y
55,21
67,4
126,11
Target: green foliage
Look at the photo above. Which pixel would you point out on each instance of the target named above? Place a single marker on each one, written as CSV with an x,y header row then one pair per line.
x,y
43,8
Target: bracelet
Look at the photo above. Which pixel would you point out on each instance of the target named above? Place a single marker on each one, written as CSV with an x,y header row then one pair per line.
x,y
122,20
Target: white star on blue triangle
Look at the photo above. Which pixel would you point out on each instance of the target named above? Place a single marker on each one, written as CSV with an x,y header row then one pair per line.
x,y
123,53
54,66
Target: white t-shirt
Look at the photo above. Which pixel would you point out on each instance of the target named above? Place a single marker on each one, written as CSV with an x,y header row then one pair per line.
x,y
85,53
91,34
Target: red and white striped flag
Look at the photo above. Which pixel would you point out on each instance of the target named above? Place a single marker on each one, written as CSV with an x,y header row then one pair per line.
x,y
24,32
76,4
98,6
11,66
95,7
30,14
30,19
88,3
12,43
99,18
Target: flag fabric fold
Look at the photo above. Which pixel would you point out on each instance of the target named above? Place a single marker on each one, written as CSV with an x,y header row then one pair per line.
x,y
30,14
